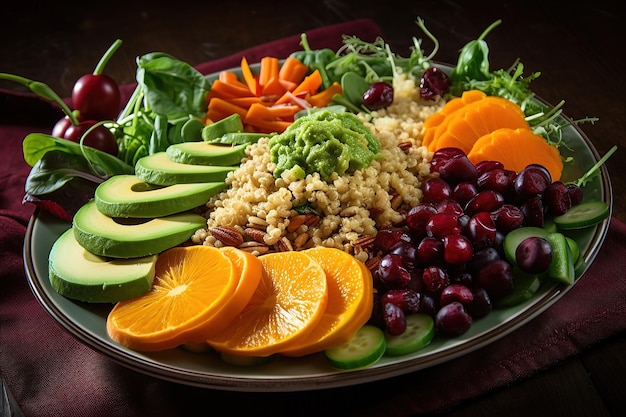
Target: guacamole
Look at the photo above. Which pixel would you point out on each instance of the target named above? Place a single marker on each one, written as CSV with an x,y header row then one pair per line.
x,y
324,142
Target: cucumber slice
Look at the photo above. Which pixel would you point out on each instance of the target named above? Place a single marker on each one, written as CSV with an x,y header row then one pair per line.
x,y
585,214
515,237
420,330
526,285
562,266
365,348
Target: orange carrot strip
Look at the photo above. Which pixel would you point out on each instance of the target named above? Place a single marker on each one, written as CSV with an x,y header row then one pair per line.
x,y
219,105
228,90
228,77
268,70
289,86
248,77
324,97
273,87
245,102
261,112
270,126
293,70
310,84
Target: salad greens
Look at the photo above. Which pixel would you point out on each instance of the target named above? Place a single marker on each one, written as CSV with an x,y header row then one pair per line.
x,y
170,99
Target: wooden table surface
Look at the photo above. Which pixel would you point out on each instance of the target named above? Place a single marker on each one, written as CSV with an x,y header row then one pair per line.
x,y
577,47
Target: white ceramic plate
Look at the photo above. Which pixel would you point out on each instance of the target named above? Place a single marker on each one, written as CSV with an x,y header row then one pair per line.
x,y
87,321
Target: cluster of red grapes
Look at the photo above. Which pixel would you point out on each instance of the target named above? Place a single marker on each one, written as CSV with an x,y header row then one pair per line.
x,y
447,259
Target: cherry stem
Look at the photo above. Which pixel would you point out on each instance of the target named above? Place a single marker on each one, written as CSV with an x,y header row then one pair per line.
x,y
44,91
105,58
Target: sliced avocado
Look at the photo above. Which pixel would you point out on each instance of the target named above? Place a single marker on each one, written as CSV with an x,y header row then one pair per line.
x,y
80,275
132,238
228,124
158,169
128,196
203,153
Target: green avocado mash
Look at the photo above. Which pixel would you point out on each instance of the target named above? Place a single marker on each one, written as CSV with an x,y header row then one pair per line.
x,y
324,142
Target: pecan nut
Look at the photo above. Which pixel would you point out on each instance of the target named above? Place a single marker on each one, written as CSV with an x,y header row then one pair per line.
x,y
229,236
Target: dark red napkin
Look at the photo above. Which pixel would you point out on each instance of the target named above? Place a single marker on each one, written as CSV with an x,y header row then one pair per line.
x,y
52,374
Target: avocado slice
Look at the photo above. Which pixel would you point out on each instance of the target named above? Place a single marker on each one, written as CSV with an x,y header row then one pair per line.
x,y
128,196
78,274
132,238
158,169
203,153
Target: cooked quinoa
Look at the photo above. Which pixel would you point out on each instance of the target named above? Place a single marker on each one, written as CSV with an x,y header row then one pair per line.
x,y
349,206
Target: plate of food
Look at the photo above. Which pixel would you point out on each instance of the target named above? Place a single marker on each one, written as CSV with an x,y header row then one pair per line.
x,y
436,238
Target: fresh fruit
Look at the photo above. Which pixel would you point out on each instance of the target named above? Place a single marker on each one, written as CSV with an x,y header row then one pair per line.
x,y
288,303
80,275
249,270
158,169
132,238
217,129
526,285
203,153
515,237
97,96
531,149
191,285
533,255
128,196
585,214
420,330
364,349
378,96
349,306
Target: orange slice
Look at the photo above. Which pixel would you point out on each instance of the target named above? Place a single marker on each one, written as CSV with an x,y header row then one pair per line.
x,y
350,301
287,304
191,285
462,128
249,269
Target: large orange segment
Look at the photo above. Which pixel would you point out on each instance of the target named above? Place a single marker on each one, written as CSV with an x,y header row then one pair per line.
x,y
430,125
190,286
350,301
249,269
463,127
289,301
516,149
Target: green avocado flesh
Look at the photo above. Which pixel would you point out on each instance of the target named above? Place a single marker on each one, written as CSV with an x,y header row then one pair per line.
x,y
80,275
158,169
128,196
132,238
202,153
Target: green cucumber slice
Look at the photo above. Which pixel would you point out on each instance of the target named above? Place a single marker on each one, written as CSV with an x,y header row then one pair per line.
x,y
365,348
420,330
515,237
585,214
562,266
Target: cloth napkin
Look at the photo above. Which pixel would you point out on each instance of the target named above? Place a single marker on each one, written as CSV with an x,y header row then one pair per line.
x,y
52,374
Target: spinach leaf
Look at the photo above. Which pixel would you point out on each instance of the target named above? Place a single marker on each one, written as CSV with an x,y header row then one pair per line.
x,y
36,145
172,88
